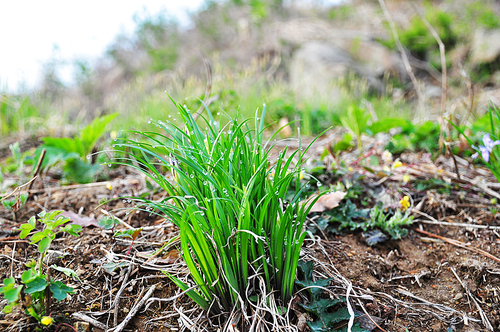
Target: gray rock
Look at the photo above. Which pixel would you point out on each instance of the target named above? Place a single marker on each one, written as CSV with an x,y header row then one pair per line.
x,y
316,66
485,46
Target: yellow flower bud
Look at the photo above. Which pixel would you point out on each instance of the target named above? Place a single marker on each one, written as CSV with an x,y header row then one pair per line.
x,y
405,203
406,178
109,186
46,320
397,164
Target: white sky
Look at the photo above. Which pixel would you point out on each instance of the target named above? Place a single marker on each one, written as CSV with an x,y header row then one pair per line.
x,y
30,30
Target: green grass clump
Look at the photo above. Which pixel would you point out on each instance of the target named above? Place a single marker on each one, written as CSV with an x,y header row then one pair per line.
x,y
239,237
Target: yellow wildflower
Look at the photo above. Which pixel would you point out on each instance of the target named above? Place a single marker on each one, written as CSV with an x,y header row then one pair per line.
x,y
405,203
386,169
406,178
350,169
109,185
46,320
397,164
113,134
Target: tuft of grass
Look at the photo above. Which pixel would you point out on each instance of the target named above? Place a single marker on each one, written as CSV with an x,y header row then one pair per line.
x,y
239,237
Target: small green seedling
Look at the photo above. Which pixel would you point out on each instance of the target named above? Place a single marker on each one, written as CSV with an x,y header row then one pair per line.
x,y
131,234
36,288
15,204
107,222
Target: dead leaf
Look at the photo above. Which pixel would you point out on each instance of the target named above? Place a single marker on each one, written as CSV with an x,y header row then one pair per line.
x,y
80,220
328,201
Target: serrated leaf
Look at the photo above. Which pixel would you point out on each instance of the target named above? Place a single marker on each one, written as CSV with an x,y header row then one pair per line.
x,y
316,287
374,236
318,307
60,290
36,285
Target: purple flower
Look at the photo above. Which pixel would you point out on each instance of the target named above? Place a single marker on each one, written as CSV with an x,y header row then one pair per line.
x,y
485,150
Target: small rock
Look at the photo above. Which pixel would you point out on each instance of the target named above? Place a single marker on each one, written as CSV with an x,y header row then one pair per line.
x,y
458,296
82,327
52,257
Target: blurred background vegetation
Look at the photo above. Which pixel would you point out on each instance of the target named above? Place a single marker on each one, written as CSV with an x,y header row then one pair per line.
x,y
307,61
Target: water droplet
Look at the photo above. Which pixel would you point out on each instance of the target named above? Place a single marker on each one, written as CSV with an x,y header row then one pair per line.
x,y
277,192
115,140
202,214
109,165
218,113
295,216
205,183
88,157
192,176
149,122
112,146
319,184
169,116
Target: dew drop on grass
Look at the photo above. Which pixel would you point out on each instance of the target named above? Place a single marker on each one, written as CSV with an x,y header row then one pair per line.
x,y
192,176
88,157
205,183
218,113
169,116
202,214
295,216
319,184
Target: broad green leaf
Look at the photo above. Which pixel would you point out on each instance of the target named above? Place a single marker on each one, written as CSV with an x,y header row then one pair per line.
x,y
60,290
28,276
90,134
37,237
44,244
78,171
36,285
73,229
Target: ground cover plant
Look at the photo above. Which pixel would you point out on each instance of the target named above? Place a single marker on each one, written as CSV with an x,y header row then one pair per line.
x,y
75,153
37,288
237,231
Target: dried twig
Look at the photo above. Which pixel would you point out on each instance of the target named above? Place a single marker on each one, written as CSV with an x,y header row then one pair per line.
x,y
85,318
460,244
38,165
134,310
484,319
18,189
119,293
434,221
